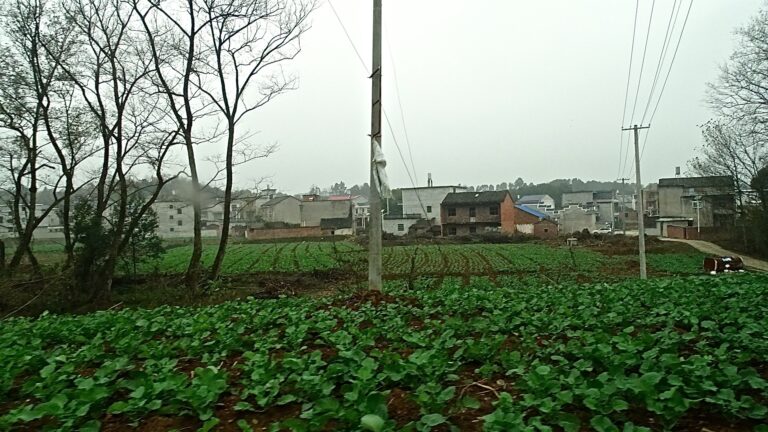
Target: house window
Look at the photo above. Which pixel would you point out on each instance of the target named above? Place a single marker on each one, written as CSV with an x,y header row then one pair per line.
x,y
178,211
451,211
626,215
472,212
170,206
472,230
400,227
429,209
546,230
494,211
452,231
180,222
171,229
170,217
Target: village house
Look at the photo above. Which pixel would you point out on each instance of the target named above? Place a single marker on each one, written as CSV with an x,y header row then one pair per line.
x,y
426,201
464,213
285,209
533,222
542,203
707,201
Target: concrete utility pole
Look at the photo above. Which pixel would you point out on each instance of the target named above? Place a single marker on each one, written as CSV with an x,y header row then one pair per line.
x,y
374,227
639,186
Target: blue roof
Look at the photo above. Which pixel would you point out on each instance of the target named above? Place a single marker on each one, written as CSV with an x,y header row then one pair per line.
x,y
529,210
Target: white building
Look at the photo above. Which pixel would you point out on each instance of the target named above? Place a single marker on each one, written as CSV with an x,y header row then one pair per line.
x,y
425,201
398,225
542,203
174,218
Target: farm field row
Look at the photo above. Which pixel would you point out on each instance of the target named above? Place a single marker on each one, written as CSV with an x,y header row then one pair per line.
x,y
675,353
401,261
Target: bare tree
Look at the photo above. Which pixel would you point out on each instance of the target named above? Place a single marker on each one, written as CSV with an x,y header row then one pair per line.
x,y
27,88
174,40
733,150
249,40
112,72
740,94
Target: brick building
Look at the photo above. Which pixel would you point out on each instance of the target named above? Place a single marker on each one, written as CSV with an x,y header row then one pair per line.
x,y
464,213
533,222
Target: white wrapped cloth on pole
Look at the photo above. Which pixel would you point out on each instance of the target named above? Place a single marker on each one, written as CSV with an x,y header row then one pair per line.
x,y
380,165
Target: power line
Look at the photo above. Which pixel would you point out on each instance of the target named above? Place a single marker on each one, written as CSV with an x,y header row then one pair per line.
x,y
349,38
663,54
400,104
642,63
666,78
629,76
386,117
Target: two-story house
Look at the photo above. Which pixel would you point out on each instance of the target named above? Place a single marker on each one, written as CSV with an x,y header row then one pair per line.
x,y
465,213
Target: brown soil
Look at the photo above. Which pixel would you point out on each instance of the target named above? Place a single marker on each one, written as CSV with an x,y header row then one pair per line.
x,y
401,408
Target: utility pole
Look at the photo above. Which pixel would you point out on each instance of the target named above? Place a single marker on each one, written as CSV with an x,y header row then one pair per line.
x,y
621,209
374,227
639,187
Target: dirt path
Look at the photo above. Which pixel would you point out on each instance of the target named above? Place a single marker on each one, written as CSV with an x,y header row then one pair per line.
x,y
711,248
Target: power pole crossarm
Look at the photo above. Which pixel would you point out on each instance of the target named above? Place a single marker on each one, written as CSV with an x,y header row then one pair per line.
x,y
639,188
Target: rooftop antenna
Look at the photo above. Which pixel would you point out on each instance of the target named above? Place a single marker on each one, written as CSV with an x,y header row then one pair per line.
x,y
429,179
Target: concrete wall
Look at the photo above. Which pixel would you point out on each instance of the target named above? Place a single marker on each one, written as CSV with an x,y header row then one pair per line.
x,y
313,211
287,210
525,228
430,197
575,218
391,226
174,218
718,209
577,198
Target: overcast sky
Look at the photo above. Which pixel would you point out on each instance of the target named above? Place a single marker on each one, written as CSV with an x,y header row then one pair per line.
x,y
493,90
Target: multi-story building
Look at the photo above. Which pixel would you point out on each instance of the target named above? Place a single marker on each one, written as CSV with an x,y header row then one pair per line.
x,y
464,213
426,201
174,218
708,201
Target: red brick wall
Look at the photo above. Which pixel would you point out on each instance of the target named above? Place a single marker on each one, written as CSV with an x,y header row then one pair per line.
x,y
676,232
281,233
507,212
524,218
545,229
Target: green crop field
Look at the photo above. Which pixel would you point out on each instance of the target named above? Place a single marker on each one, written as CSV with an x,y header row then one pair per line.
x,y
448,260
674,353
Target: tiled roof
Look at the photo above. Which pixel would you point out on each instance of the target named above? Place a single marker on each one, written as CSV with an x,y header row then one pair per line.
x,y
533,212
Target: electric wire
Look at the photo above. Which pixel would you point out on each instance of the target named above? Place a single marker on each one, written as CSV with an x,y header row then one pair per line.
x,y
400,104
640,78
671,24
626,91
384,112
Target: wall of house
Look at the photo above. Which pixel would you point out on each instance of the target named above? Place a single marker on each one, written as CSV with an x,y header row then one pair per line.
x,y
287,210
174,219
431,198
467,229
391,226
313,211
508,213
577,198
575,218
283,233
525,228
524,217
545,229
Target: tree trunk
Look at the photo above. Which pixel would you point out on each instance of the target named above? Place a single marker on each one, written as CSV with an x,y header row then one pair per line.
x,y
194,270
221,253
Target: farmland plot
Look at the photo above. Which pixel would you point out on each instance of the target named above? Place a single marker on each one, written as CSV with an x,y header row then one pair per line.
x,y
678,354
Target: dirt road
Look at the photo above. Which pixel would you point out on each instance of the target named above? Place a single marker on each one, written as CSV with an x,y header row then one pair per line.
x,y
711,248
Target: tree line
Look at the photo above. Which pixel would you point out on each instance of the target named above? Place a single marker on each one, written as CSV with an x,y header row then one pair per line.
x,y
734,141
97,94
